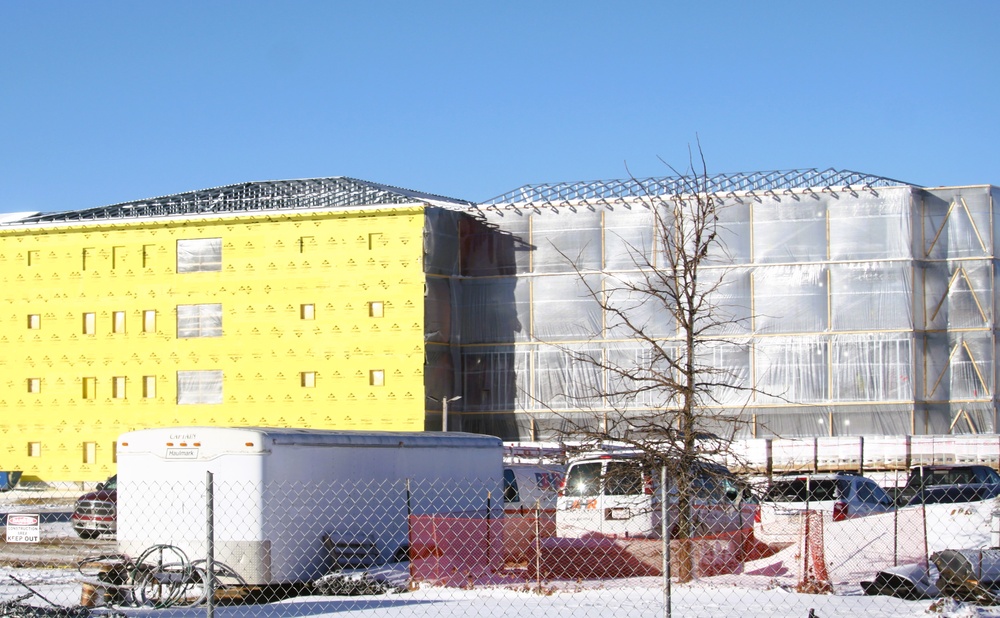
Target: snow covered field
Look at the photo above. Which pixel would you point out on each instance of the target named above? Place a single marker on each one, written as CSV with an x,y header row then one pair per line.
x,y
854,551
634,598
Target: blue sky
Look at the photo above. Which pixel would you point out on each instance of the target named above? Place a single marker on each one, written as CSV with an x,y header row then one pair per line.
x,y
106,102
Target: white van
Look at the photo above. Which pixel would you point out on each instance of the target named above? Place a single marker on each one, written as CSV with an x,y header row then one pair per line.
x,y
528,488
614,495
530,492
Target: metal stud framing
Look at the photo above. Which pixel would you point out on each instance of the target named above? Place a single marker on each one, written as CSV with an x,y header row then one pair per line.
x,y
548,194
311,193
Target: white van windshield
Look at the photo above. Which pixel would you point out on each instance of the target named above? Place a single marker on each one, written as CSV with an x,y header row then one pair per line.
x,y
624,478
584,479
621,478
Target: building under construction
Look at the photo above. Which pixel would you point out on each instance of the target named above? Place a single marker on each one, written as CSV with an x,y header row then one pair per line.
x,y
866,303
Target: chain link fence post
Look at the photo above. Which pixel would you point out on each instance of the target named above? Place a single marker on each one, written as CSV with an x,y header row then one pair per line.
x,y
665,535
209,582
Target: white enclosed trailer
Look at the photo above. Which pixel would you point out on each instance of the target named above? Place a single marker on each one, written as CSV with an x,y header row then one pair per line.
x,y
283,497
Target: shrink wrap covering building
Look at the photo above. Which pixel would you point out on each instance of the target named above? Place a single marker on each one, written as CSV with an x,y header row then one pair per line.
x,y
860,305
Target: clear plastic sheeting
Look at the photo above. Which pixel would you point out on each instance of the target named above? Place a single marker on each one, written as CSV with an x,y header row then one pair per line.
x,y
853,310
199,255
790,299
871,296
629,292
567,241
959,294
731,299
789,232
958,223
626,238
441,242
199,387
564,307
961,366
199,320
495,310
867,226
565,380
872,367
792,370
496,378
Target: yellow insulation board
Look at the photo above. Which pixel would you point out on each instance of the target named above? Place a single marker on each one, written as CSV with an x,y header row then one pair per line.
x,y
322,326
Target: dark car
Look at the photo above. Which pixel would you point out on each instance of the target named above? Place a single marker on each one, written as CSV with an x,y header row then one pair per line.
x,y
951,494
947,484
96,513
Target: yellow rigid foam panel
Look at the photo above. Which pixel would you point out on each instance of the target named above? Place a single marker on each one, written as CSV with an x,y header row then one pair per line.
x,y
300,342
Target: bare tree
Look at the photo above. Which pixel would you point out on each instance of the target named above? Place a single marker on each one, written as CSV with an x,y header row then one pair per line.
x,y
667,403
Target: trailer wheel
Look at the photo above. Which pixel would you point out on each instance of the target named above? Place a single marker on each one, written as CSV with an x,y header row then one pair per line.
x,y
88,534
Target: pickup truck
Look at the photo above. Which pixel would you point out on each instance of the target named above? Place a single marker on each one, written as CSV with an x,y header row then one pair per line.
x,y
96,512
943,484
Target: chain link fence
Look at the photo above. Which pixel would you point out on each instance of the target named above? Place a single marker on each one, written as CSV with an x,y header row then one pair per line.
x,y
197,548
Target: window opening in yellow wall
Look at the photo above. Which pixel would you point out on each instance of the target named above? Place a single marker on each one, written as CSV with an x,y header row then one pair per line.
x,y
90,452
89,257
376,309
118,322
147,255
375,240
376,377
117,257
149,386
199,387
34,385
34,321
118,387
149,321
89,323
33,257
308,379
199,320
34,449
307,312
199,255
90,388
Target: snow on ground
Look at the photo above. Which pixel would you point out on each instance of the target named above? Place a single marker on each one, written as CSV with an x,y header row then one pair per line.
x,y
759,592
854,551
634,599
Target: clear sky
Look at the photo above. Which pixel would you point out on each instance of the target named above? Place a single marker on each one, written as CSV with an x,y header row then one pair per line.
x,y
107,102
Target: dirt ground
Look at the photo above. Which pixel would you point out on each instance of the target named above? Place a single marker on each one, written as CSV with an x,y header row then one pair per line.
x,y
59,545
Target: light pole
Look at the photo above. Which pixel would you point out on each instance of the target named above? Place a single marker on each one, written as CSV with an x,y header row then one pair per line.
x,y
444,410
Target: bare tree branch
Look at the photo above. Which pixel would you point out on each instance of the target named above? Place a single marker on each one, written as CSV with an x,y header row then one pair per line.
x,y
666,400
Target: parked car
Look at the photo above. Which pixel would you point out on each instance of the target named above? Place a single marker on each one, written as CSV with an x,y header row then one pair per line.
x,y
951,494
946,484
615,495
96,512
842,495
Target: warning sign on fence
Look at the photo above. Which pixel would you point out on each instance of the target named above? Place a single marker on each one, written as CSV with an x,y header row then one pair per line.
x,y
23,528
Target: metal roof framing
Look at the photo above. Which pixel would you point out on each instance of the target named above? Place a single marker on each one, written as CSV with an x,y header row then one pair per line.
x,y
742,182
312,193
